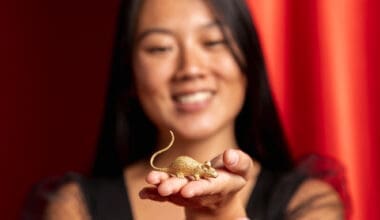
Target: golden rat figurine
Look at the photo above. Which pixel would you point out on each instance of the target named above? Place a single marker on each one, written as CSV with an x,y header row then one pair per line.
x,y
184,166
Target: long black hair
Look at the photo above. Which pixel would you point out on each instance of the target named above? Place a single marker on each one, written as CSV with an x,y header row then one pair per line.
x,y
127,135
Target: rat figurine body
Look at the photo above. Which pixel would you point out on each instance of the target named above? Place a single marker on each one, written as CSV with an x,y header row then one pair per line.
x,y
184,166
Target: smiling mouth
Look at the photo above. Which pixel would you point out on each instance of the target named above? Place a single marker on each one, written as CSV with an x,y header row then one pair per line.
x,y
193,98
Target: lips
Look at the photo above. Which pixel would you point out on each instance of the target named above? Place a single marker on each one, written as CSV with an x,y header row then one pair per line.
x,y
193,101
192,98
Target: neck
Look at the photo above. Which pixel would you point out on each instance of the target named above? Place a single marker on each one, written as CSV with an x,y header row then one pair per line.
x,y
200,149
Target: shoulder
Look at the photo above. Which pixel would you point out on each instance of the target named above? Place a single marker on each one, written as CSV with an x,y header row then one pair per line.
x,y
67,203
315,199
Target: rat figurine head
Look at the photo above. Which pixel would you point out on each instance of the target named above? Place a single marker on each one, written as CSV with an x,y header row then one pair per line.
x,y
208,170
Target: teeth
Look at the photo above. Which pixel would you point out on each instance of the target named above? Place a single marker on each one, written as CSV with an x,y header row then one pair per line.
x,y
194,97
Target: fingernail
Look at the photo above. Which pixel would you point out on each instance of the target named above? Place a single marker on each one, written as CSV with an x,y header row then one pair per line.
x,y
233,158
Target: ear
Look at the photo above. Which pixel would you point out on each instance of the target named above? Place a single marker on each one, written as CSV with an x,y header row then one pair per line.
x,y
207,163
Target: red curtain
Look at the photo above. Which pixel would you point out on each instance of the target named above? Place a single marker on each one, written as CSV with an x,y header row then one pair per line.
x,y
322,57
324,67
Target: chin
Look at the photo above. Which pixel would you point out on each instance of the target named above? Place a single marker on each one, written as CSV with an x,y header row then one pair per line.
x,y
195,132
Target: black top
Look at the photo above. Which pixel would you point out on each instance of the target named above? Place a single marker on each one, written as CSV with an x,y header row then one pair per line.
x,y
107,199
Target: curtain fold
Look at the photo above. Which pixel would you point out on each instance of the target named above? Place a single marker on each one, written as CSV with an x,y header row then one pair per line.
x,y
323,62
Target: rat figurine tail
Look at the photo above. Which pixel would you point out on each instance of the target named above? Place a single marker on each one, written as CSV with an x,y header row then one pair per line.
x,y
161,151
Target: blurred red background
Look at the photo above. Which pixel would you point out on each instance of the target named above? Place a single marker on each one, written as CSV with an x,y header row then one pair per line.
x,y
323,58
55,56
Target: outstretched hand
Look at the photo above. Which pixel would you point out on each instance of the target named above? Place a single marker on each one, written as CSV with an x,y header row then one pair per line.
x,y
206,198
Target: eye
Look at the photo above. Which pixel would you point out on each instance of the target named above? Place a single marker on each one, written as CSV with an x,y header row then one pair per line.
x,y
158,49
214,43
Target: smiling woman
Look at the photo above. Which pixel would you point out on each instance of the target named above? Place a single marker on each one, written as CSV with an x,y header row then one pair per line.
x,y
183,65
184,73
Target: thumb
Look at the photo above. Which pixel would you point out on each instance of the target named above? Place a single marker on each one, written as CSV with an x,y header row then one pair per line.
x,y
240,163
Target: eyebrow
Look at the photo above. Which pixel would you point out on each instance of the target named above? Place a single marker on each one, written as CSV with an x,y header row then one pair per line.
x,y
211,24
159,30
151,31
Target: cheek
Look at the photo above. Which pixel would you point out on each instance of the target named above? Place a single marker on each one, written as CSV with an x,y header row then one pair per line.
x,y
237,94
151,76
230,72
145,84
241,86
235,83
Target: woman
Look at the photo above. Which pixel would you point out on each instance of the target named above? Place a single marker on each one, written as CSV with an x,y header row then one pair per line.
x,y
194,67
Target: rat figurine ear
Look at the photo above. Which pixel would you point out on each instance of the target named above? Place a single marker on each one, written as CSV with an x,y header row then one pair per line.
x,y
207,163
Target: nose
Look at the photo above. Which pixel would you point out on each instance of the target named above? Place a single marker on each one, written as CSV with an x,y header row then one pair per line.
x,y
190,64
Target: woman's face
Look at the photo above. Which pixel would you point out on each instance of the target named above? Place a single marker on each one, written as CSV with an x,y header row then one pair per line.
x,y
186,77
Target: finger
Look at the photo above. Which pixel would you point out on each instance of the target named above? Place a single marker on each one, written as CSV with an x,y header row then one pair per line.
x,y
217,162
171,186
225,183
152,194
195,188
156,177
240,163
